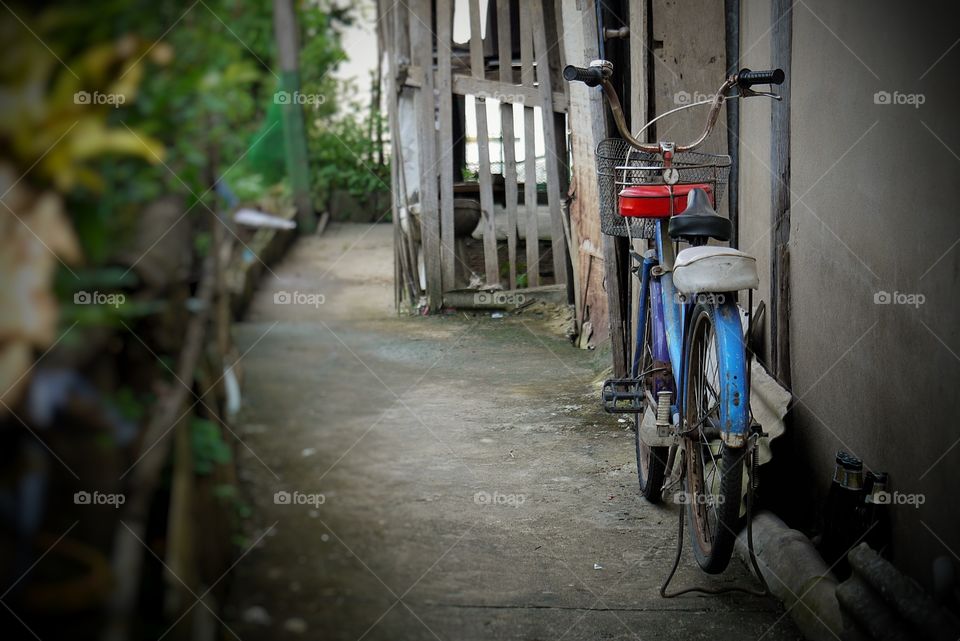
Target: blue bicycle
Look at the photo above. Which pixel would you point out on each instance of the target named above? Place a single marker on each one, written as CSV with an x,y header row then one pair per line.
x,y
689,382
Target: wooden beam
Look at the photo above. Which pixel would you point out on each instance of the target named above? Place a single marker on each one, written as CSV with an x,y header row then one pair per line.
x,y
504,50
421,39
638,16
509,93
554,194
385,40
528,81
781,53
558,55
404,250
447,245
613,248
490,261
509,299
639,59
553,22
513,94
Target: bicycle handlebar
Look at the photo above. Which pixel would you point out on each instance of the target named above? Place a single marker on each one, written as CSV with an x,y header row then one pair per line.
x,y
599,75
747,78
590,76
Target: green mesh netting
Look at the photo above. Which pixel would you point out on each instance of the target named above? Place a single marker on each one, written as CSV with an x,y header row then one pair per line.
x,y
267,151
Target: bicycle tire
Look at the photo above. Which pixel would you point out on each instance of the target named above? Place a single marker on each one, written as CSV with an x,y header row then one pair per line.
x,y
651,461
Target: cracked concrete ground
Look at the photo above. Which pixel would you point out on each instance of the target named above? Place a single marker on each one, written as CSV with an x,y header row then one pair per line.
x,y
472,488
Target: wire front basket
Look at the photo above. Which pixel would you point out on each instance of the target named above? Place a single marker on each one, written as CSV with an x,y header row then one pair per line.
x,y
619,165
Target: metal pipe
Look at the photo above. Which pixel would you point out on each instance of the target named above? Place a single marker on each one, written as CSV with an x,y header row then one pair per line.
x,y
796,575
732,28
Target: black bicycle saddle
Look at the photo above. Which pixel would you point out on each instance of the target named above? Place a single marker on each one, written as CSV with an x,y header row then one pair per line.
x,y
699,219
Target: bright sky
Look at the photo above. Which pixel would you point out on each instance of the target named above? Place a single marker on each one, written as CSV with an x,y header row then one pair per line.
x,y
360,43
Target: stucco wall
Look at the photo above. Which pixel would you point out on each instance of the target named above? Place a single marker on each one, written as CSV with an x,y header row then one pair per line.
x,y
755,146
873,209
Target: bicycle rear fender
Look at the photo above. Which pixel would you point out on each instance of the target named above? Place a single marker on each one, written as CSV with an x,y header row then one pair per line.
x,y
734,395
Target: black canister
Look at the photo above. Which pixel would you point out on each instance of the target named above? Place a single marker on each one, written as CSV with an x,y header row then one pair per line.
x,y
843,513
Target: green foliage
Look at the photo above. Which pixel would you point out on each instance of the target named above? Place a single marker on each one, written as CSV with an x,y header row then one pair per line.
x,y
209,448
201,82
127,403
343,157
229,495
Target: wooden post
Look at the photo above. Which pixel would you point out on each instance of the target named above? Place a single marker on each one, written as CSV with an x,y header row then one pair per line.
x,y
553,21
444,88
505,53
384,42
554,194
527,79
639,59
490,261
638,17
180,576
294,131
421,39
781,54
613,248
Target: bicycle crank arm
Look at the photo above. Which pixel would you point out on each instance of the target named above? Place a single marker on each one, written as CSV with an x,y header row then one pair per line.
x,y
654,435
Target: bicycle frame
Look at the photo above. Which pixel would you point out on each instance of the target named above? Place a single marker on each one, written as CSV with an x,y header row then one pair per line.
x,y
669,317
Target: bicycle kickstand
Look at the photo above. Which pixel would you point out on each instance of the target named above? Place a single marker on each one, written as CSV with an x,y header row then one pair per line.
x,y
752,463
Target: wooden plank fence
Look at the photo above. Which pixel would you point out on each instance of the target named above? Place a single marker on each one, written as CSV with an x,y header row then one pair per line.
x,y
516,63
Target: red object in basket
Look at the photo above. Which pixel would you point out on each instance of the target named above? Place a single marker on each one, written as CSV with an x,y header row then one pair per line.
x,y
653,201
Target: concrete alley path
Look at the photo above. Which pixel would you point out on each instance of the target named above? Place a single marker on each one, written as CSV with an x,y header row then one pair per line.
x,y
472,488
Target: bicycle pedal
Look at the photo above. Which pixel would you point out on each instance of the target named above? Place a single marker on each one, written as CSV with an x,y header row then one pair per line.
x,y
622,396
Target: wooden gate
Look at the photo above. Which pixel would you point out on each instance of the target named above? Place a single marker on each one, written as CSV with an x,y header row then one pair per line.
x,y
512,58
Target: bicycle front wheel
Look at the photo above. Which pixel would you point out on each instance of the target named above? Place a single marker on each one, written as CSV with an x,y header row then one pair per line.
x,y
714,471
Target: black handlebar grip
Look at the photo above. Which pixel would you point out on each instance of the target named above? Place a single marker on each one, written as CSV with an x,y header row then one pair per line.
x,y
590,76
747,78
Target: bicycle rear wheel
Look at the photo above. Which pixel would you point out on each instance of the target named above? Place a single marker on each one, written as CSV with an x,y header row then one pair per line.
x,y
714,471
651,461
